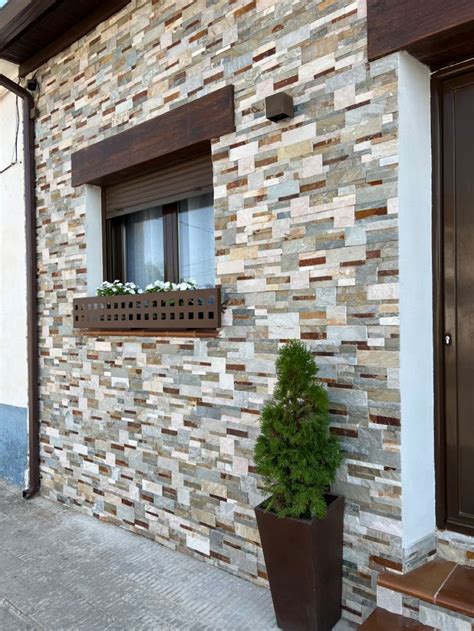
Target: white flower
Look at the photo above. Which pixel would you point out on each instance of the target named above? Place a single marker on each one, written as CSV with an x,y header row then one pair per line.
x,y
159,286
117,288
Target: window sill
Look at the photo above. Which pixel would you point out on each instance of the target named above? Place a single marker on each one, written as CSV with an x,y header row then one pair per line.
x,y
145,333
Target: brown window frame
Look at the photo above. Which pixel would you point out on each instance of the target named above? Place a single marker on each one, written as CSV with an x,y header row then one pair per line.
x,y
115,247
165,188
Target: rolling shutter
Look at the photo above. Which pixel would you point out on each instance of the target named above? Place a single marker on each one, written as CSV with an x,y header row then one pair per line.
x,y
167,185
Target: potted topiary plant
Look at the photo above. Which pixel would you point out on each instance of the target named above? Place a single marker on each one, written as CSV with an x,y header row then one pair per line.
x,y
301,524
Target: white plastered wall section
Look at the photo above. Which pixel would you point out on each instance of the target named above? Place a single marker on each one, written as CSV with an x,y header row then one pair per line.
x,y
416,303
93,201
13,327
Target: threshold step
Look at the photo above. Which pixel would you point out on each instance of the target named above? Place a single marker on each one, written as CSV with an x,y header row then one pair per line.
x,y
382,620
442,583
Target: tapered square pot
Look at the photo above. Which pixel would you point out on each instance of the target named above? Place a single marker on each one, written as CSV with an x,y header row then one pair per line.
x,y
304,566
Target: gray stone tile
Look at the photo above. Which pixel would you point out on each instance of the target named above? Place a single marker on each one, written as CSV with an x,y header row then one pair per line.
x,y
10,620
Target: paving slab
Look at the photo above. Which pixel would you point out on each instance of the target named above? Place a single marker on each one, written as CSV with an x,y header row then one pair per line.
x,y
61,571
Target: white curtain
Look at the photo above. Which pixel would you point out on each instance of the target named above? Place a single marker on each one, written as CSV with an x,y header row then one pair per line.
x,y
196,240
144,246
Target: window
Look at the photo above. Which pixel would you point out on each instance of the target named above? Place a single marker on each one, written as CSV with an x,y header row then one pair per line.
x,y
144,252
196,239
161,226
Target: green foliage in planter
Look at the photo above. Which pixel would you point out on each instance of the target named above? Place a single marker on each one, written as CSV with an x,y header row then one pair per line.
x,y
296,453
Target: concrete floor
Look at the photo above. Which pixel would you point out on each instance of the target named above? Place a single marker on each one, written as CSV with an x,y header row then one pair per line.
x,y
60,570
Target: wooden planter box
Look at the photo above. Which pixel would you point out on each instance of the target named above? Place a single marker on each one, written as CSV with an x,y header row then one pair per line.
x,y
165,311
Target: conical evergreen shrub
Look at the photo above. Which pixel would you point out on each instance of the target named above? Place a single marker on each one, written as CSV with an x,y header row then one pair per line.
x,y
296,453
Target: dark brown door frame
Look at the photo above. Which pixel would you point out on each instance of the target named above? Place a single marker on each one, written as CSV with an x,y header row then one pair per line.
x,y
438,80
438,299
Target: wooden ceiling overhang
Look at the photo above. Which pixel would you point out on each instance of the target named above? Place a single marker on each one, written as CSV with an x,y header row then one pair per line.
x,y
33,31
437,32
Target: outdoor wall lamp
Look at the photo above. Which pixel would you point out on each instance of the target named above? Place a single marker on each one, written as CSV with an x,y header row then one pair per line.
x,y
279,106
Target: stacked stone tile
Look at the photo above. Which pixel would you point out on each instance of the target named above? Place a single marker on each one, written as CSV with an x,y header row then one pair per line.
x,y
157,434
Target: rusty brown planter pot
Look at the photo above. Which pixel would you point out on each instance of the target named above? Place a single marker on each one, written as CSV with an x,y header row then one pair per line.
x,y
304,565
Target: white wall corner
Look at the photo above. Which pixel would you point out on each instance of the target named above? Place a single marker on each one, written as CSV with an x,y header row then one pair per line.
x,y
416,301
13,331
94,238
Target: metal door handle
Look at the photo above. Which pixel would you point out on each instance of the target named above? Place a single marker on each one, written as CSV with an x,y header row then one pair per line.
x,y
448,340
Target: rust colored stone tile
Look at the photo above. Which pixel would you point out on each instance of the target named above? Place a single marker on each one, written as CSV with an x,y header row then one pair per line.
x,y
248,7
458,592
320,260
423,583
385,620
384,420
371,212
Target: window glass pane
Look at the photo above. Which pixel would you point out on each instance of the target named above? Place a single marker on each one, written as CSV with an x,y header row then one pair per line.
x,y
196,240
144,246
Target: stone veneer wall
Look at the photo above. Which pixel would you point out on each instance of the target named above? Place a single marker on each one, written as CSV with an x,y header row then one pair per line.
x,y
154,434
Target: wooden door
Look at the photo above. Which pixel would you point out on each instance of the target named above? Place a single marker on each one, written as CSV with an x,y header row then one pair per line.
x,y
457,343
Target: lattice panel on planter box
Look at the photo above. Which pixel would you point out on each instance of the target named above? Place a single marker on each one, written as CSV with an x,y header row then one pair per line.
x,y
171,310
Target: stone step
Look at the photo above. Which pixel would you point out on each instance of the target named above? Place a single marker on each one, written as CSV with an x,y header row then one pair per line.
x,y
439,594
439,582
382,620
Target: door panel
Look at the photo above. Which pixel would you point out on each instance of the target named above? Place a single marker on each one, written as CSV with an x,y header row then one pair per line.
x,y
458,241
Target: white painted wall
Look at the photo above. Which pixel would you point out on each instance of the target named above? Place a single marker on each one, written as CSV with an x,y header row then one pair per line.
x,y
94,238
416,303
13,330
